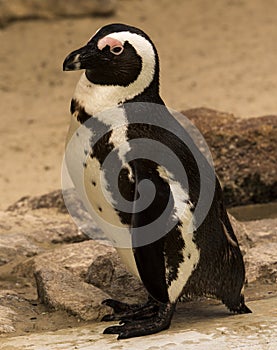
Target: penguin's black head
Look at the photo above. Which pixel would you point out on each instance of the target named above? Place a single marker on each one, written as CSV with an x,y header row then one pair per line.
x,y
116,55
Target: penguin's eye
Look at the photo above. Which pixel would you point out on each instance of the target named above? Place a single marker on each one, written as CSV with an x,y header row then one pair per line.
x,y
116,50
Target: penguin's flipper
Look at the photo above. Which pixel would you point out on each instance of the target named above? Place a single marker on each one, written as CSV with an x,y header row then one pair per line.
x,y
148,238
150,263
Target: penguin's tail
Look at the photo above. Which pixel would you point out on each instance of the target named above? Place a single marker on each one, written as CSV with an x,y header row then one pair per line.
x,y
241,308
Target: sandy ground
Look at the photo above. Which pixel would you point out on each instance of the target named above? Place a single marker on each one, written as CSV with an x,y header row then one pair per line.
x,y
219,54
195,326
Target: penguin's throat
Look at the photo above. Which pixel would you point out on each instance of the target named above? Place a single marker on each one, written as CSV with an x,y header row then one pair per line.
x,y
96,98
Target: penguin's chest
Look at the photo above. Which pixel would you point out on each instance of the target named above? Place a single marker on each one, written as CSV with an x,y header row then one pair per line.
x,y
97,170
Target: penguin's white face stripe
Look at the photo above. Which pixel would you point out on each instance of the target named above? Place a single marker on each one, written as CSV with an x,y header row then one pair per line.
x,y
145,50
96,98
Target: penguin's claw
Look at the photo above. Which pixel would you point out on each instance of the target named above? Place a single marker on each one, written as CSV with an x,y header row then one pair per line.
x,y
108,318
112,330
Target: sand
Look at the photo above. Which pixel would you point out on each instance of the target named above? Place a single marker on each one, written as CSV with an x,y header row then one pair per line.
x,y
219,54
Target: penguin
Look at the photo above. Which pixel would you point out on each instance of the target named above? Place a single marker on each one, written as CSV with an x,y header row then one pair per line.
x,y
192,257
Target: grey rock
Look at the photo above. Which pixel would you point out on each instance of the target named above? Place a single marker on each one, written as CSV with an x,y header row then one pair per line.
x,y
32,232
16,244
61,290
75,258
26,9
108,273
261,259
60,282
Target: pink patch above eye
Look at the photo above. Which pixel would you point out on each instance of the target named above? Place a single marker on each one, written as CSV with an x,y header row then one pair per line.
x,y
111,42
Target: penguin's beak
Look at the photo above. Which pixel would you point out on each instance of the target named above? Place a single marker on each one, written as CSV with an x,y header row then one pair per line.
x,y
79,59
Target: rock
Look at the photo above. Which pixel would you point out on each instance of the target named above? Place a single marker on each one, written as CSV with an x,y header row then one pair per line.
x,y
61,202
7,317
16,244
51,200
76,277
27,234
244,154
36,9
75,258
108,273
261,262
60,282
262,230
61,290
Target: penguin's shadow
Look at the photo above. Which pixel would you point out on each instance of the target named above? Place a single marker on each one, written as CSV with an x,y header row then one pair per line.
x,y
206,310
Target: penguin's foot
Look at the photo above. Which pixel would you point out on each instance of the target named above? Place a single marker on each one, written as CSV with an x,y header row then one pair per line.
x,y
126,312
151,325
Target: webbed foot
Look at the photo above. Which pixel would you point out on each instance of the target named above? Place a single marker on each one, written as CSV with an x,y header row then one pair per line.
x,y
149,325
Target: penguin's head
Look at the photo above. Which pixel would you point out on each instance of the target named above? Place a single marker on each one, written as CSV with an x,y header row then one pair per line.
x,y
117,55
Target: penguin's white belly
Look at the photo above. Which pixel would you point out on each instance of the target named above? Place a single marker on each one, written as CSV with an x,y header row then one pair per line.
x,y
89,181
102,203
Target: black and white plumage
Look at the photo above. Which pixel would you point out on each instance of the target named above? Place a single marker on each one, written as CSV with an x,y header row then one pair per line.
x,y
122,67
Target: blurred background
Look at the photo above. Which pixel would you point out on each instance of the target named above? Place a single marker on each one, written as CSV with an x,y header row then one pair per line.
x,y
219,54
